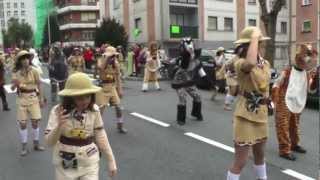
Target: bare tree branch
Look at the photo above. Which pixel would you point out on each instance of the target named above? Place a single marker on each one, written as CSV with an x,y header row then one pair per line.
x,y
276,8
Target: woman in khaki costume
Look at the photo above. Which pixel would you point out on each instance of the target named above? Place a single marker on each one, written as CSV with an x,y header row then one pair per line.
x,y
250,123
76,62
26,80
151,68
76,132
110,81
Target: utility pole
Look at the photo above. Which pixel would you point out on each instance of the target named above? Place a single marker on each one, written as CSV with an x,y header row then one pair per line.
x,y
48,21
290,31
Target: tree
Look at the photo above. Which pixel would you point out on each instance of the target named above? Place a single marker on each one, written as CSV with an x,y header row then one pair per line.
x,y
18,34
55,32
269,20
111,32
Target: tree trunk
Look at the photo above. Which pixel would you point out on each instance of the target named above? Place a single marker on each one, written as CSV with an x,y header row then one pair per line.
x,y
270,27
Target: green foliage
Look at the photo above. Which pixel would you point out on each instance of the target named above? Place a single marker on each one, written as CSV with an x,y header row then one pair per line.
x,y
18,34
111,32
55,32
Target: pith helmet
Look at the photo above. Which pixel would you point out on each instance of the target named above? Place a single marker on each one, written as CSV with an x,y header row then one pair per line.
x,y
110,51
79,84
23,53
246,33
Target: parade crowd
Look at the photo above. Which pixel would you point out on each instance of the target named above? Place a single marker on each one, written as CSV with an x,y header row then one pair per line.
x,y
75,129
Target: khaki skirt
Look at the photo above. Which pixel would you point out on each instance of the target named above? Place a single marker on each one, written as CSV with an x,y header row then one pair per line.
x,y
247,132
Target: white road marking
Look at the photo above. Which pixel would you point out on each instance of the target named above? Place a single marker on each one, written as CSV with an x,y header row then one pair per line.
x,y
7,87
209,141
47,81
152,120
297,175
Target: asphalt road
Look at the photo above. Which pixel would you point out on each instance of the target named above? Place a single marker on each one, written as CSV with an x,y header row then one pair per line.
x,y
196,151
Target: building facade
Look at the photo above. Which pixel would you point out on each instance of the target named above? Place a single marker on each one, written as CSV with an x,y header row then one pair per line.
x,y
212,23
23,10
78,20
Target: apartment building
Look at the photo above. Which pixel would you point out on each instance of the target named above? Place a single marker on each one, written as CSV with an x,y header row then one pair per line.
x,y
78,20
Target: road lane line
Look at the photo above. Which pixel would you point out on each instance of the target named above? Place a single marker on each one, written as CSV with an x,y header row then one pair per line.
x,y
209,141
47,81
297,175
152,120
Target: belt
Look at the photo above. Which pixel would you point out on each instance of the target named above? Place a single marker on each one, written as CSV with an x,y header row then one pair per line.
x,y
107,81
27,90
75,142
263,101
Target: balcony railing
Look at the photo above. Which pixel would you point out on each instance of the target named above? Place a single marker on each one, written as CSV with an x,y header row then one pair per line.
x,y
66,4
69,21
184,1
186,31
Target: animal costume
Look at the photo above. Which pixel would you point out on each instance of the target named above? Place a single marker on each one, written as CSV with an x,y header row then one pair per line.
x,y
289,94
151,68
189,68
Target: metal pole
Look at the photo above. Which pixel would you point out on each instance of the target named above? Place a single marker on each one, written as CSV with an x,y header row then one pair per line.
x,y
290,31
48,19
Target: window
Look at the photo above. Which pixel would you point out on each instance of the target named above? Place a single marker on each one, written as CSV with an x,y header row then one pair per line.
x,y
1,14
306,2
226,0
23,21
88,16
137,23
252,22
91,1
87,35
306,26
3,24
15,13
15,5
185,1
22,5
116,4
23,13
212,23
283,27
8,5
8,13
228,24
252,2
177,19
1,5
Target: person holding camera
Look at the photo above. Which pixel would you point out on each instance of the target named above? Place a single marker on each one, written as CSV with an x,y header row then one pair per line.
x,y
76,132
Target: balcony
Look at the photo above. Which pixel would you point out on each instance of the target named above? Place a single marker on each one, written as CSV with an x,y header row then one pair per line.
x,y
193,2
184,31
79,25
67,7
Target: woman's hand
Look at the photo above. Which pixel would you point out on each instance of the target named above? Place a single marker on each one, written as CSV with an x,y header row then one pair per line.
x,y
112,171
62,117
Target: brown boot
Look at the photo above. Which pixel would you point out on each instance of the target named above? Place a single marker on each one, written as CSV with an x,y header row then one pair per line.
x,y
121,129
37,146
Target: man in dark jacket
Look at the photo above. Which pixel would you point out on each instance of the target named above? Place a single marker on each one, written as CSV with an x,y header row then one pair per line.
x,y
2,82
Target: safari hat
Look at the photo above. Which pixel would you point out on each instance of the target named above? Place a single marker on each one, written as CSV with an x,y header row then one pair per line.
x,y
110,51
220,49
246,33
22,54
79,84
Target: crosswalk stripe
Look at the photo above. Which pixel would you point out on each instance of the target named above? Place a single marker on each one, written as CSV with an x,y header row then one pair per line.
x,y
152,120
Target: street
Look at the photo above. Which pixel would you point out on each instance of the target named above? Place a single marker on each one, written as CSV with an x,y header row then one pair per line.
x,y
156,148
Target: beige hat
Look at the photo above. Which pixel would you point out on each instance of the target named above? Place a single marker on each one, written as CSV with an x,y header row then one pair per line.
x,y
246,33
23,53
220,49
79,84
110,51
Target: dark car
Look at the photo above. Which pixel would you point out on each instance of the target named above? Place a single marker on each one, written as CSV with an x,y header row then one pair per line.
x,y
313,97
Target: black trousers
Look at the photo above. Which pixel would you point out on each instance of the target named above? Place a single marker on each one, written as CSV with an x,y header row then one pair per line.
x,y
3,95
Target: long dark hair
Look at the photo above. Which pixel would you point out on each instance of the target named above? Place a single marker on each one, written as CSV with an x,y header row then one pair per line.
x,y
68,103
18,63
243,48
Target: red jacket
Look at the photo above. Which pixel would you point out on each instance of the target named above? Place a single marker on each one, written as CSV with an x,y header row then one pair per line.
x,y
88,55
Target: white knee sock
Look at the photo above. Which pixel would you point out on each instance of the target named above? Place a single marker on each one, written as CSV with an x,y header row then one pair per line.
x,y
144,86
232,176
120,120
23,135
35,133
229,99
156,84
260,171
